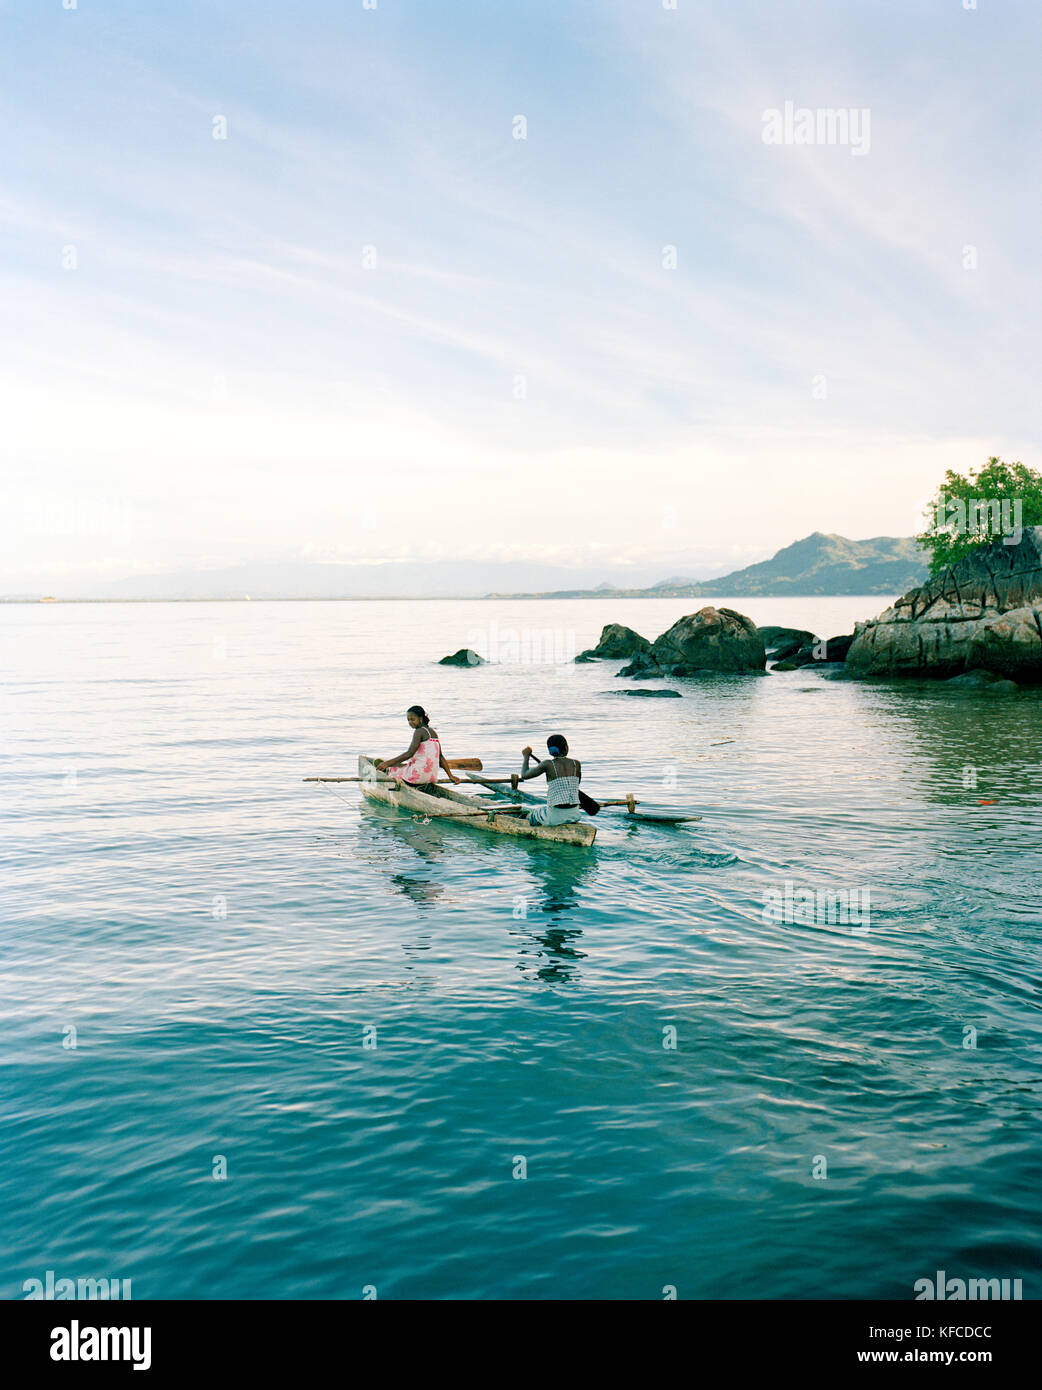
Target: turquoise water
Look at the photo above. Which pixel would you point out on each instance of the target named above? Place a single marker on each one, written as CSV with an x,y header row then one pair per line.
x,y
221,936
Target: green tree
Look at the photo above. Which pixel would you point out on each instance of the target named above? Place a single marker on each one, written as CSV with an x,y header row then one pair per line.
x,y
971,510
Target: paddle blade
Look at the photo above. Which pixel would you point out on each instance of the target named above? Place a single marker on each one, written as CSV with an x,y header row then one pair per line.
x,y
473,764
588,804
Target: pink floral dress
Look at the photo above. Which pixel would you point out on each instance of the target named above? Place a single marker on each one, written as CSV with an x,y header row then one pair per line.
x,y
421,767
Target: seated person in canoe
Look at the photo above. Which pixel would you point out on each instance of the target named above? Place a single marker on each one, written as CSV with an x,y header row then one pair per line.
x,y
420,762
563,775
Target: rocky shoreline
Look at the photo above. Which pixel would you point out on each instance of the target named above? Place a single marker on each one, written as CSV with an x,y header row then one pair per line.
x,y
975,626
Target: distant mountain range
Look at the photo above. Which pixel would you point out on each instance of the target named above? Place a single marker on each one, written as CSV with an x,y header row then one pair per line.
x,y
316,579
818,564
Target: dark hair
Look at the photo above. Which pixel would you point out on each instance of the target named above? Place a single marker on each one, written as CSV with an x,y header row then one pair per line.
x,y
419,710
557,744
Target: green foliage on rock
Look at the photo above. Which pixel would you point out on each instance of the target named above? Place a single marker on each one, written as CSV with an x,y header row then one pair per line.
x,y
971,510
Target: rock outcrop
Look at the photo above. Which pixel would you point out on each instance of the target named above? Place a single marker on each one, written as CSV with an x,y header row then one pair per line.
x,y
713,639
615,642
982,613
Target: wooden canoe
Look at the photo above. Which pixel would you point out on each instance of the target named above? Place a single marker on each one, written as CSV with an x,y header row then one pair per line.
x,y
450,804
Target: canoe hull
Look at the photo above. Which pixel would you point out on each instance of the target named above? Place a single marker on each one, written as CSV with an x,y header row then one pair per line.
x,y
447,803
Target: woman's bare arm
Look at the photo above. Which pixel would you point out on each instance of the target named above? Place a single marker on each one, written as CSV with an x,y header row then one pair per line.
x,y
402,757
539,770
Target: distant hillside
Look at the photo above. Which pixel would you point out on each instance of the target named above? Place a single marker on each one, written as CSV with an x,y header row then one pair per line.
x,y
822,564
818,564
299,579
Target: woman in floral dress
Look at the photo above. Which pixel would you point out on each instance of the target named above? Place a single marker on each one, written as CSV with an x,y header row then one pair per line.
x,y
420,762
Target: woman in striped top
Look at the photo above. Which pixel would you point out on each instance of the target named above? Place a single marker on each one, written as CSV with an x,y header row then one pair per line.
x,y
563,775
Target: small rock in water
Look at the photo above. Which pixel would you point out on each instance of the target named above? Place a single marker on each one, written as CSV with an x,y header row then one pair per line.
x,y
974,680
825,653
653,694
781,643
616,641
641,665
464,657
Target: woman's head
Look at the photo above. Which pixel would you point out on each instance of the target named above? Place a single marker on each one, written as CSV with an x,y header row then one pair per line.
x,y
557,745
417,716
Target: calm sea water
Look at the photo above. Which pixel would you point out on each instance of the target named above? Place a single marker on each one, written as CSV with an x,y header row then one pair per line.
x,y
842,1113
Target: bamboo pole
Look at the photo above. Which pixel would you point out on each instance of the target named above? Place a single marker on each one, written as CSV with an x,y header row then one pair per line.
x,y
442,781
350,779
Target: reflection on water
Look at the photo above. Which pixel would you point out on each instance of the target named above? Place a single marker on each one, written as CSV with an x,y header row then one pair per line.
x,y
557,880
554,892
418,890
385,832
553,945
967,746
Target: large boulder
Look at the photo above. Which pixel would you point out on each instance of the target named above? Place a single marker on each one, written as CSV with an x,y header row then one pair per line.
x,y
982,613
616,642
713,639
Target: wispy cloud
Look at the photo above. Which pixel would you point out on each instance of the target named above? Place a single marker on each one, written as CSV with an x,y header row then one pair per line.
x,y
223,356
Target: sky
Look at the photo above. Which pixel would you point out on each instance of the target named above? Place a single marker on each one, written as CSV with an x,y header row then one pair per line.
x,y
501,282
